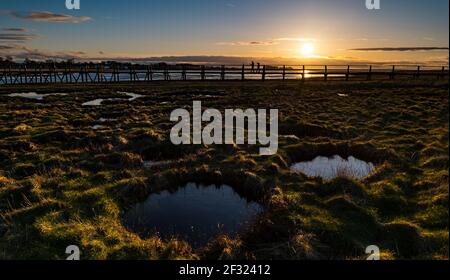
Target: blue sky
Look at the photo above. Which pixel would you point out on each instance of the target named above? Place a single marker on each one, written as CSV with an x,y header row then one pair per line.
x,y
248,28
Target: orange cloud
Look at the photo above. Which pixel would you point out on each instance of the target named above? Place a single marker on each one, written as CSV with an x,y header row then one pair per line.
x,y
51,17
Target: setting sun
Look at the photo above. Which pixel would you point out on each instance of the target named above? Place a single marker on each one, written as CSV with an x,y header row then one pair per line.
x,y
307,49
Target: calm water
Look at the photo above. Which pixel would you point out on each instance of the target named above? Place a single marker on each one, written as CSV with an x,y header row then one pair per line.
x,y
329,168
34,95
195,213
98,102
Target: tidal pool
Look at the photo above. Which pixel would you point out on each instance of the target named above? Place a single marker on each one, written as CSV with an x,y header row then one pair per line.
x,y
151,163
34,95
104,120
291,136
99,101
133,96
336,166
195,213
98,127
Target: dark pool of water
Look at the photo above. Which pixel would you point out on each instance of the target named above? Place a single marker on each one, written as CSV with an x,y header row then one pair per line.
x,y
195,213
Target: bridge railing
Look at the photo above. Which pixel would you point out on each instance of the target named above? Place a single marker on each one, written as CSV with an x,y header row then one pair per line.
x,y
100,73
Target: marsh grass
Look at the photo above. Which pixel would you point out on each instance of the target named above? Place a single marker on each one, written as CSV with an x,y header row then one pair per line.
x,y
62,183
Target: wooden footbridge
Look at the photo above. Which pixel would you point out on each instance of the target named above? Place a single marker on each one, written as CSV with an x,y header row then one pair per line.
x,y
101,73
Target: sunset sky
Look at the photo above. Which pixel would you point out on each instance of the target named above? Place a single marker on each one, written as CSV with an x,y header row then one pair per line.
x,y
277,30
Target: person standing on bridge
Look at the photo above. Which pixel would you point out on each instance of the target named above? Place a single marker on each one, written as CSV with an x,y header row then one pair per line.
x,y
258,68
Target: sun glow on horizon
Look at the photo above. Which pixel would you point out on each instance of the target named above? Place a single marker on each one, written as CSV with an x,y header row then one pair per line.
x,y
307,50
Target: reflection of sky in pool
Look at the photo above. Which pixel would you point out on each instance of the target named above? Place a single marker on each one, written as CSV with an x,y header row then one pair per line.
x,y
329,168
34,95
195,213
99,101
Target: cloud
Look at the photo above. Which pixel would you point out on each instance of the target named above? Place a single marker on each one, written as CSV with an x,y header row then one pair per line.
x,y
407,49
275,41
44,55
16,37
20,52
50,17
247,43
259,43
15,29
371,39
6,47
295,39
